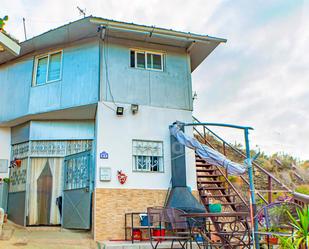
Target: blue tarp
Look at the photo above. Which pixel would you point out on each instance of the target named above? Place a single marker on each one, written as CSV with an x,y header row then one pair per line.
x,y
208,154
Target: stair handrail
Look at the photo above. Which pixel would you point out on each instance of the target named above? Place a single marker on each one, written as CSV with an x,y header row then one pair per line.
x,y
229,182
244,156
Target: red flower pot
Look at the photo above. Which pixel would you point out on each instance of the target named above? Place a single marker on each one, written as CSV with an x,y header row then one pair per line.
x,y
137,234
18,163
158,232
272,240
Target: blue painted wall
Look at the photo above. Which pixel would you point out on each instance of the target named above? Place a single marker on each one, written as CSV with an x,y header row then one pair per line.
x,y
79,84
170,88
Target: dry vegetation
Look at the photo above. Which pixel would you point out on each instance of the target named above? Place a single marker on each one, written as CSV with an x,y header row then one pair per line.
x,y
290,171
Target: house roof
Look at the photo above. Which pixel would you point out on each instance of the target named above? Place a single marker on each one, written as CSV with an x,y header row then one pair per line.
x,y
8,44
199,46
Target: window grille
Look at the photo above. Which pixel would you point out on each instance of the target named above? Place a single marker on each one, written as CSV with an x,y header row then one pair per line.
x,y
148,156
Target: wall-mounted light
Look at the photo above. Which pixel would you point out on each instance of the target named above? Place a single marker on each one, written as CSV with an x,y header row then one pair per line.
x,y
119,110
134,108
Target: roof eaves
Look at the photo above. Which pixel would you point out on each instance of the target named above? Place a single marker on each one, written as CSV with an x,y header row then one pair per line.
x,y
171,32
62,26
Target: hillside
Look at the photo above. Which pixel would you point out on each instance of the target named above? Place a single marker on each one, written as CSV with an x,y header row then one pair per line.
x,y
286,168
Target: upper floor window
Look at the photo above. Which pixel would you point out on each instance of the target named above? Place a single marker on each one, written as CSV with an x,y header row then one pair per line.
x,y
147,156
146,60
47,68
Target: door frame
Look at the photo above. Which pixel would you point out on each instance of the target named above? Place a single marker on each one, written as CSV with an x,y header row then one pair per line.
x,y
91,171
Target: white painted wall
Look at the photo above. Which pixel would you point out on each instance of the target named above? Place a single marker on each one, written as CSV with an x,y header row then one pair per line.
x,y
115,134
5,147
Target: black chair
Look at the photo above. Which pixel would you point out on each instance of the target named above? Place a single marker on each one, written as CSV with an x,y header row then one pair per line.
x,y
168,225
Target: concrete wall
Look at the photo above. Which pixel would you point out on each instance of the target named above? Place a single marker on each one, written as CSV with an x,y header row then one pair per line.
x,y
121,83
115,135
78,86
5,147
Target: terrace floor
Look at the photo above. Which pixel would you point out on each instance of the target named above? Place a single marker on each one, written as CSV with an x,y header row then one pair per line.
x,y
15,236
44,237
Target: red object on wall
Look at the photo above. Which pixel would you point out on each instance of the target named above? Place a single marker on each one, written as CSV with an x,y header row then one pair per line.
x,y
15,163
122,177
18,162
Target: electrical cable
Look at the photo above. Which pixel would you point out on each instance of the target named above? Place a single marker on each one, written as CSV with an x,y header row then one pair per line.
x,y
105,50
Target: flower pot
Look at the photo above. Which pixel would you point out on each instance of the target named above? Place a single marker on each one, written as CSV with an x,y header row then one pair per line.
x,y
137,234
272,240
215,238
18,163
158,232
215,208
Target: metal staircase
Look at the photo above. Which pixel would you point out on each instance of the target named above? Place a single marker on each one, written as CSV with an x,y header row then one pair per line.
x,y
229,229
232,227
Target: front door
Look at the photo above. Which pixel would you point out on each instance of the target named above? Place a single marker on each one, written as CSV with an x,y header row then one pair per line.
x,y
77,191
44,195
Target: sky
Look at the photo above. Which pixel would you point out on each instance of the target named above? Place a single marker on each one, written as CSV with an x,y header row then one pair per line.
x,y
259,78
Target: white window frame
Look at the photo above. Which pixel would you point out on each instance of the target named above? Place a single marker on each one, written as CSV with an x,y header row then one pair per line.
x,y
134,156
146,52
36,61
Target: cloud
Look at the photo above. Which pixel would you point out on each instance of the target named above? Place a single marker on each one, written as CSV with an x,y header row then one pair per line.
x,y
264,79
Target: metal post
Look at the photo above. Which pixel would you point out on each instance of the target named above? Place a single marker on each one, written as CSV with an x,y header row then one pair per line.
x,y
224,153
252,188
269,190
24,24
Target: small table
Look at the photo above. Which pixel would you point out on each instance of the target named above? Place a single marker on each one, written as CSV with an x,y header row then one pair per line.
x,y
214,215
129,225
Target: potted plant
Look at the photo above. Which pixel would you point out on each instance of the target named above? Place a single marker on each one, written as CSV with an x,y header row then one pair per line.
x,y
300,236
272,239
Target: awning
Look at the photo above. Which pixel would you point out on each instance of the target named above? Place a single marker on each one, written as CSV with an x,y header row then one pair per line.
x,y
208,154
8,44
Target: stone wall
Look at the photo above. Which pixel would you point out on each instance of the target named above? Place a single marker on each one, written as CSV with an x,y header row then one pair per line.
x,y
112,204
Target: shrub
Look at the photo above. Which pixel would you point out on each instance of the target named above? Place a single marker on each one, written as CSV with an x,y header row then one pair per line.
x,y
300,236
303,189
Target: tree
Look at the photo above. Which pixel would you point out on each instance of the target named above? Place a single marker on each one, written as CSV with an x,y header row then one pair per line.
x,y
2,22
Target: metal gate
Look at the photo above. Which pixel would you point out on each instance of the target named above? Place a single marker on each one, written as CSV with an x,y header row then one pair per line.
x,y
77,191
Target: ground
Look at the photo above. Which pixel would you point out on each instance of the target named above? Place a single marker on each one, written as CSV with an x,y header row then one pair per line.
x,y
44,238
15,237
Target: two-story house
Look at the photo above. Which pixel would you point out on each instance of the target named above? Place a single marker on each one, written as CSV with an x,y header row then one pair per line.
x,y
84,115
